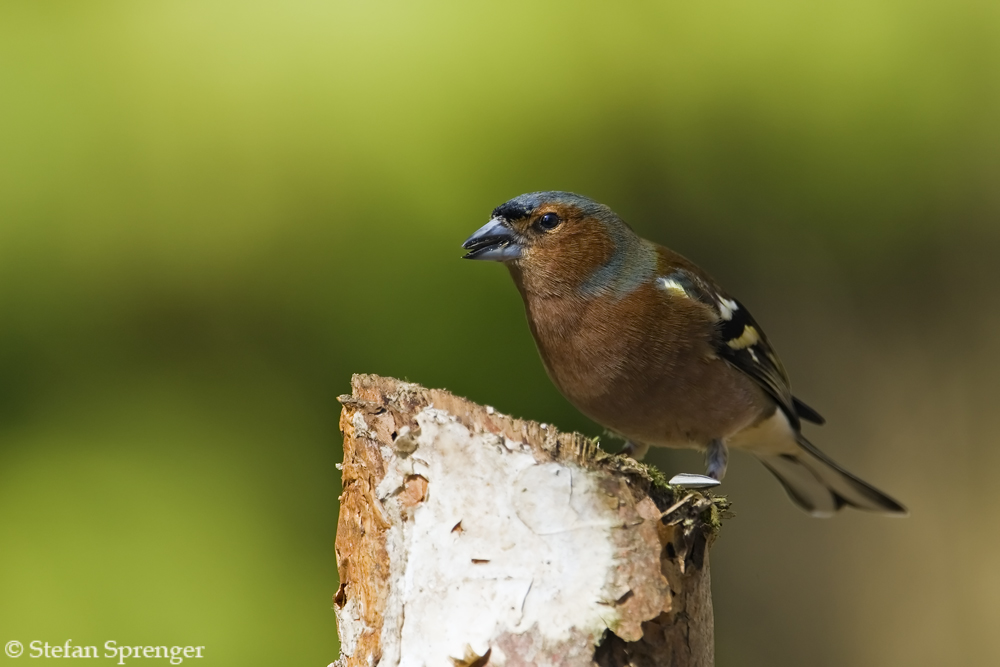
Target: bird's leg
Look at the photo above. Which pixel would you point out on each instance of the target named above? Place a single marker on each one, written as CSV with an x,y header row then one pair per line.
x,y
716,459
636,450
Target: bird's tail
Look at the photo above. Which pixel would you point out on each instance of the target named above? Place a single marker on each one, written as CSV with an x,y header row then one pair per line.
x,y
821,487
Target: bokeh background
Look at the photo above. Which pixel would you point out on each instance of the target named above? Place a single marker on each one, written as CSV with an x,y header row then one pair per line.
x,y
213,212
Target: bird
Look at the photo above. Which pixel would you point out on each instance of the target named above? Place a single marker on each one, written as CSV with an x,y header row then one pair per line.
x,y
645,343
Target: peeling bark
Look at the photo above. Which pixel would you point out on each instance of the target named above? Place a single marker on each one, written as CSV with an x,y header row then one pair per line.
x,y
467,537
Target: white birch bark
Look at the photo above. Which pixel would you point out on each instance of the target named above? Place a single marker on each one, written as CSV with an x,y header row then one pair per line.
x,y
467,537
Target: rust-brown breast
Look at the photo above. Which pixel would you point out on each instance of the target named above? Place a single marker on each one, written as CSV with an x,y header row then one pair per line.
x,y
642,364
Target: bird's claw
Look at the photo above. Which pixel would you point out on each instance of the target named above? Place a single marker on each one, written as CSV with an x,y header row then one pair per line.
x,y
636,450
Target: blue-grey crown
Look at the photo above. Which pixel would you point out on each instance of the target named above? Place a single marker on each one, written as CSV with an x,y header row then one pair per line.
x,y
523,205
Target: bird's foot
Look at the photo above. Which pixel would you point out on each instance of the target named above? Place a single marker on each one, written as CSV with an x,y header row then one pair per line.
x,y
716,459
636,450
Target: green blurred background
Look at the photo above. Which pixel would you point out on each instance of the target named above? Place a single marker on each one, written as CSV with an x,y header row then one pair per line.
x,y
212,213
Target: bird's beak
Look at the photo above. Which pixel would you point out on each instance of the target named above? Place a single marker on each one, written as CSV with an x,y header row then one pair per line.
x,y
494,241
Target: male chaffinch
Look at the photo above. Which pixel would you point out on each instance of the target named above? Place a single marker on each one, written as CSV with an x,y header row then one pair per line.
x,y
645,343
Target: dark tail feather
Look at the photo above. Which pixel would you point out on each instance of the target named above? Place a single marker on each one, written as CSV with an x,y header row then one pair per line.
x,y
821,487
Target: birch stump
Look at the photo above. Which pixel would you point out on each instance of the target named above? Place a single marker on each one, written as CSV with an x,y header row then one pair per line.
x,y
467,537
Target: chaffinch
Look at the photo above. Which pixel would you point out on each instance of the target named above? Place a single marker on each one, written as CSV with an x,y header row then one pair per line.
x,y
645,343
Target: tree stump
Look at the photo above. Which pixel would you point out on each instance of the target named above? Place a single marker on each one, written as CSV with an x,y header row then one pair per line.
x,y
467,537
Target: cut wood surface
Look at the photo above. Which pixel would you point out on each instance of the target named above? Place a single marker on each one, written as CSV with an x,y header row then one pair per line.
x,y
467,537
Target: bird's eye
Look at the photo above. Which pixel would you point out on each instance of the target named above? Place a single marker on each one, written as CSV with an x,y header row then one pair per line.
x,y
549,221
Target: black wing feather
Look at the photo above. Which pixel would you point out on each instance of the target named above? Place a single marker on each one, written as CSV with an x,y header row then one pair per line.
x,y
742,343
807,413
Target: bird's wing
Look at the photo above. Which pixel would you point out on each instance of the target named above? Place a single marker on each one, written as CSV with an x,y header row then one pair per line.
x,y
739,339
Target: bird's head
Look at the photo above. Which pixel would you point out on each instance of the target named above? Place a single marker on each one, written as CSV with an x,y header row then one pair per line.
x,y
554,241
